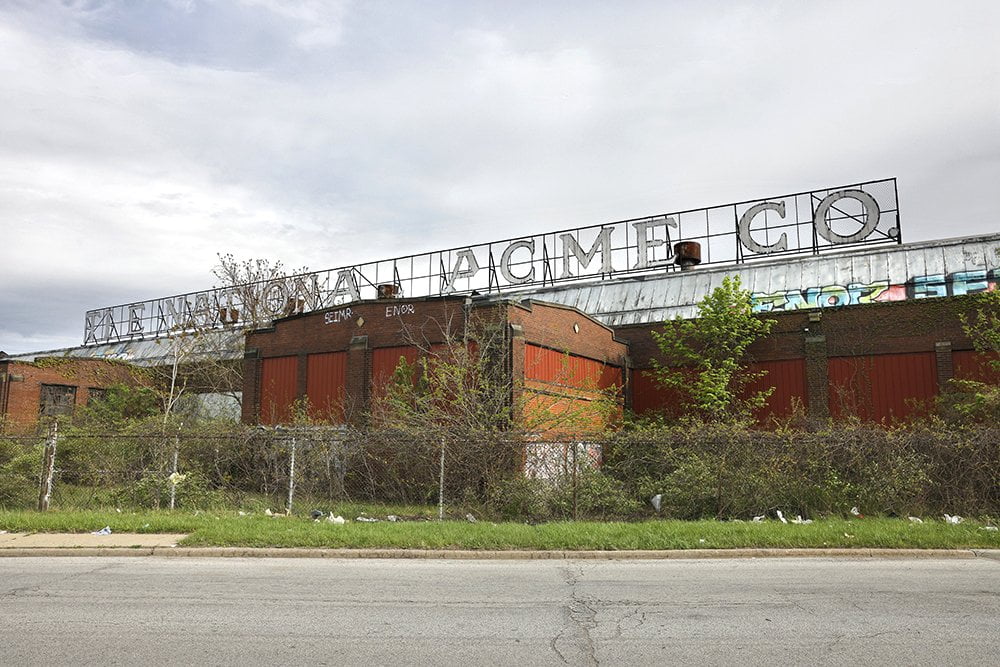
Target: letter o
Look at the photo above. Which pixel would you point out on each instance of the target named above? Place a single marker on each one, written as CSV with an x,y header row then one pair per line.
x,y
274,297
872,215
747,218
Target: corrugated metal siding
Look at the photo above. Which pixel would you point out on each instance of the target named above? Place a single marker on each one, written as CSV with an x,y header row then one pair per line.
x,y
278,377
788,378
565,369
655,298
386,359
650,398
884,387
326,378
971,365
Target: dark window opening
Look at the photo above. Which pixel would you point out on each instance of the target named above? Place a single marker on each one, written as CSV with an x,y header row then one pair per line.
x,y
56,400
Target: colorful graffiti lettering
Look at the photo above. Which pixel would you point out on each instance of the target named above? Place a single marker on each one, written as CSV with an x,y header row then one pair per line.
x,y
921,287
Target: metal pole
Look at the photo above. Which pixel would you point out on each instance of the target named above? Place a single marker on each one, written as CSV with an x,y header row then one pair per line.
x,y
441,486
575,516
291,478
173,486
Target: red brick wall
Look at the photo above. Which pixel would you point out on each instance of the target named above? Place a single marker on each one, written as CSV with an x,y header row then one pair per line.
x,y
21,388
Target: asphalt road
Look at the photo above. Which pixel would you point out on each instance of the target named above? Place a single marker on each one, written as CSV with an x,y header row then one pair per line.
x,y
289,611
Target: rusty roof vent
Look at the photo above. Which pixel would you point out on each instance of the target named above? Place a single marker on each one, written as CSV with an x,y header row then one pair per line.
x,y
687,254
388,291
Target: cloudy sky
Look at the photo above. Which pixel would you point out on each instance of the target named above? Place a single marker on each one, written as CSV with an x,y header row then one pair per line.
x,y
139,139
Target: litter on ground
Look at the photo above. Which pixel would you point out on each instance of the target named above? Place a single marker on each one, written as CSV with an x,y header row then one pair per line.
x,y
103,531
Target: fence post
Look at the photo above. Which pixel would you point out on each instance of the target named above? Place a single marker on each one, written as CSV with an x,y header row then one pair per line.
x,y
291,479
48,467
575,485
173,485
441,486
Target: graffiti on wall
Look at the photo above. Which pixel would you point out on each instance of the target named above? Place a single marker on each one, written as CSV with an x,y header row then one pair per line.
x,y
919,287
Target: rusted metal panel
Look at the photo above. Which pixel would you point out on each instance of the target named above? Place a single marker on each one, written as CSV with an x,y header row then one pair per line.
x,y
882,388
972,365
557,367
277,389
326,378
788,377
649,398
386,359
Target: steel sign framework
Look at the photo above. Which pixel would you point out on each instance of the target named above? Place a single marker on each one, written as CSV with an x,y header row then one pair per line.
x,y
796,224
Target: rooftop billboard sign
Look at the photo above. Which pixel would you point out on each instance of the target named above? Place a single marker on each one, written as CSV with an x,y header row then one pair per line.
x,y
804,223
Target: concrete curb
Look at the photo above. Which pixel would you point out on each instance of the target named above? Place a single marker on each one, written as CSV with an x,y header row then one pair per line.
x,y
447,554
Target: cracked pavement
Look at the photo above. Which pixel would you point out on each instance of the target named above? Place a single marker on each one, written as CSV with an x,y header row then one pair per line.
x,y
264,611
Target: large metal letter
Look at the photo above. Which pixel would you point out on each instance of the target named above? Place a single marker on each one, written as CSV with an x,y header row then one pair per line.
x,y
747,218
571,247
135,318
872,214
346,285
644,243
505,271
458,272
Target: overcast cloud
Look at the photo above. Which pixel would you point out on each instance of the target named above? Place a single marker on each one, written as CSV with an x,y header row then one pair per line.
x,y
137,140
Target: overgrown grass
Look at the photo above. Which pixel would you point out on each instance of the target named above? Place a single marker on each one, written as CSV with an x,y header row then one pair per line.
x,y
256,530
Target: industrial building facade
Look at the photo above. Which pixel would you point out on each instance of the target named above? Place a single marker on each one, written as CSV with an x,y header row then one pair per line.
x,y
866,325
333,362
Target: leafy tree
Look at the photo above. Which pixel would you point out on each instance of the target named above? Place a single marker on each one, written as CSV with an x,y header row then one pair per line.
x,y
462,389
206,359
704,361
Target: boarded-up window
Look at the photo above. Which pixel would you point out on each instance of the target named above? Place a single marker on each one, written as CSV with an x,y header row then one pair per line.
x,y
326,376
57,399
278,378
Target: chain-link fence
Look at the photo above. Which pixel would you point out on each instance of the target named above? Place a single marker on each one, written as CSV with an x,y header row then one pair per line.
x,y
282,469
707,471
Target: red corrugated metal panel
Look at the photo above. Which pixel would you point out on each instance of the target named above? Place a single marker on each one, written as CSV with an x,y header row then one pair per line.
x,y
326,377
650,398
971,365
883,387
788,377
547,365
278,378
386,359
